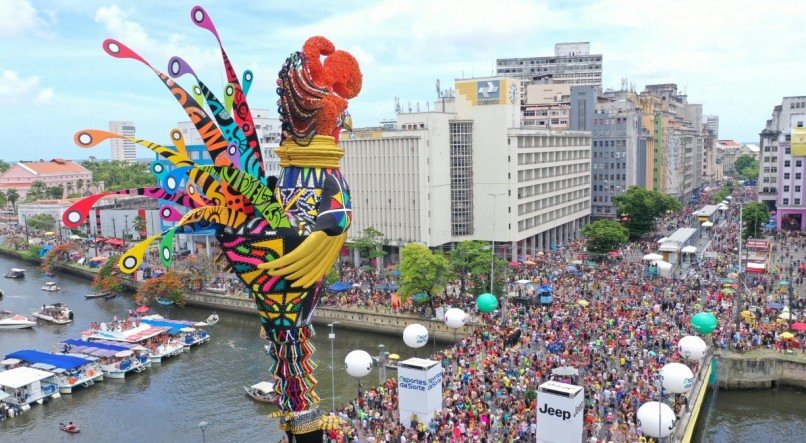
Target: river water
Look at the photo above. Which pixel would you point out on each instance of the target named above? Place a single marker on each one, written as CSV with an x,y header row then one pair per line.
x,y
166,403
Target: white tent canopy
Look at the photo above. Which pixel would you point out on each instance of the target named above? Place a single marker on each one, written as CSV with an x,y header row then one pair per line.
x,y
663,264
662,240
707,224
653,257
690,249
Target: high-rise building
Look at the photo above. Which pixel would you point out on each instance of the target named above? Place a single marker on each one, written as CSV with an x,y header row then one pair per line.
x,y
571,64
122,150
470,171
782,167
712,123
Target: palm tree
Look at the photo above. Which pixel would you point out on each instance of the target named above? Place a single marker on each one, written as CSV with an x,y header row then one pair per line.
x,y
12,197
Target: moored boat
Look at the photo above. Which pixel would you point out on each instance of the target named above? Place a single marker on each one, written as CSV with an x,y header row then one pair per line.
x,y
10,320
165,301
192,336
110,296
24,385
70,372
116,361
188,334
262,392
15,273
98,295
57,313
51,286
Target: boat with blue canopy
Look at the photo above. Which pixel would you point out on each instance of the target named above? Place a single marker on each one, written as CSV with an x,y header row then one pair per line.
x,y
71,372
116,361
154,339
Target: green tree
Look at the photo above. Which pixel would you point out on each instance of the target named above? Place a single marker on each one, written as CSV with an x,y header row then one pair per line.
x,y
55,192
4,166
369,245
38,191
13,196
3,200
118,175
471,260
604,236
749,173
642,207
42,222
421,270
745,161
754,217
140,226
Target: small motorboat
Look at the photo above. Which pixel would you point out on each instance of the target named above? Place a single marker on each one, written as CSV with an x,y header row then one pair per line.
x,y
9,320
110,295
15,273
57,313
165,301
212,320
262,392
98,295
51,287
70,427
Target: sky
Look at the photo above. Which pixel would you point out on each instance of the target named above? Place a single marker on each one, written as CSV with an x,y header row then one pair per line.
x,y
737,58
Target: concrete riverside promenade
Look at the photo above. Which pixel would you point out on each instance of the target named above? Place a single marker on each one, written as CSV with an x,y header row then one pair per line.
x,y
352,318
761,369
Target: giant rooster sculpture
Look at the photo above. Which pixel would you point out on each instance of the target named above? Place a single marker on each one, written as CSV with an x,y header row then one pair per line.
x,y
281,235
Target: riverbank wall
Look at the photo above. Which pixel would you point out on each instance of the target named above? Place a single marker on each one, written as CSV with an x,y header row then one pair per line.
x,y
743,371
358,319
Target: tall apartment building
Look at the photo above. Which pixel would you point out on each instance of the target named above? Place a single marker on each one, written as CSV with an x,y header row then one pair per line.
x,y
470,171
781,182
122,150
571,64
712,123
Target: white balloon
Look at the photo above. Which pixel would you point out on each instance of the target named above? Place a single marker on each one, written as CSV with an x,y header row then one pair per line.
x,y
455,318
656,423
676,378
415,335
358,363
692,348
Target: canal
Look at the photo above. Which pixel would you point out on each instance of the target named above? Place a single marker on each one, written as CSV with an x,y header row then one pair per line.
x,y
167,402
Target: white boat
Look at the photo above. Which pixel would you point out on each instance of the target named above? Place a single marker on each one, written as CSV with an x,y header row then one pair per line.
x,y
28,385
9,320
57,313
212,320
115,361
262,392
154,339
51,287
71,372
15,273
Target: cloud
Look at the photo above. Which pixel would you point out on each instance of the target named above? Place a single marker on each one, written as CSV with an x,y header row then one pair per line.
x,y
157,51
16,90
19,17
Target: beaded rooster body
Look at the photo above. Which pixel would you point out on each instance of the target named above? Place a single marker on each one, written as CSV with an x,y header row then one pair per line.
x,y
281,235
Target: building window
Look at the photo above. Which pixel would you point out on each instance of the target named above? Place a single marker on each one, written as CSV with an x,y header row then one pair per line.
x,y
798,163
786,188
786,201
797,176
461,176
797,188
787,163
797,201
786,176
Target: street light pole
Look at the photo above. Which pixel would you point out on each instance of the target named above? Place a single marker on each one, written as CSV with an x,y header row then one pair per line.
x,y
332,338
492,257
25,217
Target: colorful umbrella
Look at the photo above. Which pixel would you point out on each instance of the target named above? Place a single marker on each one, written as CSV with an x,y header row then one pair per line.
x,y
800,326
787,336
142,309
583,302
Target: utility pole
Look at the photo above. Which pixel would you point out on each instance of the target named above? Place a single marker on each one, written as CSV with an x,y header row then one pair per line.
x,y
332,338
114,229
25,217
125,225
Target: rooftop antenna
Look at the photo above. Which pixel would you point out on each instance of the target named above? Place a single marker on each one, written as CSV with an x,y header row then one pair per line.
x,y
409,107
439,91
418,107
428,106
397,105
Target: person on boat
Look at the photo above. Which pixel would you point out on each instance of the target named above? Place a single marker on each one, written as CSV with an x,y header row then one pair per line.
x,y
70,426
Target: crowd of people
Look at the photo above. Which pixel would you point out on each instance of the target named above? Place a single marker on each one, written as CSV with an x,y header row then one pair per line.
x,y
626,329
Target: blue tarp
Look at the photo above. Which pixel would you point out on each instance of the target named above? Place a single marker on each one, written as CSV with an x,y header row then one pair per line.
x,y
546,299
66,362
545,288
92,344
340,286
174,327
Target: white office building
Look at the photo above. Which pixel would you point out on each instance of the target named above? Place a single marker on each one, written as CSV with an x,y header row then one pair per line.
x,y
122,150
469,171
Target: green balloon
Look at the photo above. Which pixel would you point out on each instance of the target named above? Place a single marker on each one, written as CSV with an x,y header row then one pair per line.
x,y
486,302
704,322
